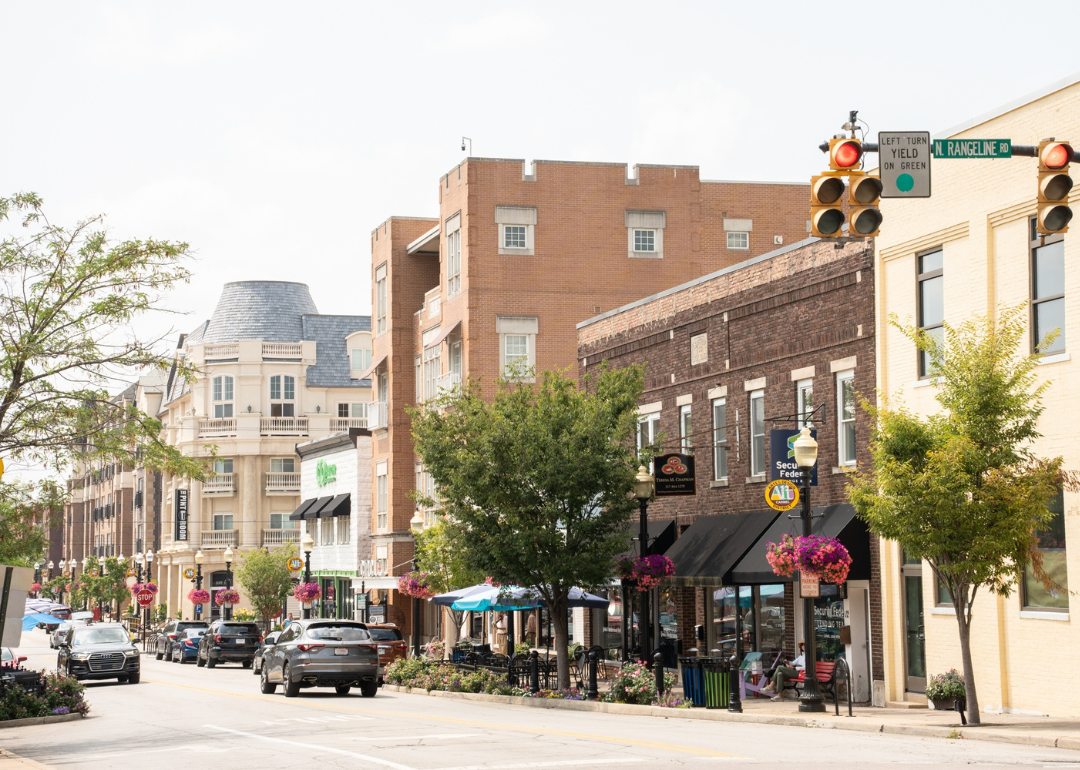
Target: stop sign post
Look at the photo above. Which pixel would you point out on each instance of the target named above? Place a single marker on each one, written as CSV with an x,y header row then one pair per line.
x,y
144,598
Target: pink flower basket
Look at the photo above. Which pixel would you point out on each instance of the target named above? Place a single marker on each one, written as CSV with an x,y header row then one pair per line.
x,y
198,596
35,587
306,593
825,557
647,572
416,584
781,556
228,596
151,587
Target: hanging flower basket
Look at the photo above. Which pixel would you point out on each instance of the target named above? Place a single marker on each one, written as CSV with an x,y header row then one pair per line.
x,y
647,572
198,596
416,584
825,557
306,593
35,587
228,596
151,587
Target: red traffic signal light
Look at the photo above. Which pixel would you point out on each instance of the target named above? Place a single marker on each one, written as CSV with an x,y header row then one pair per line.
x,y
1055,184
1055,155
845,154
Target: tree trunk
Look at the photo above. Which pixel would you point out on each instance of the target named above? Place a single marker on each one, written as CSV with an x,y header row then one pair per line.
x,y
562,642
450,632
960,602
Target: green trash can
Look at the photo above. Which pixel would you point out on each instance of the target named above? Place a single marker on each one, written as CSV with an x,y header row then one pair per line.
x,y
715,679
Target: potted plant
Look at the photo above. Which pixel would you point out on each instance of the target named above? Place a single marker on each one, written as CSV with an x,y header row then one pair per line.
x,y
198,596
825,557
227,596
944,690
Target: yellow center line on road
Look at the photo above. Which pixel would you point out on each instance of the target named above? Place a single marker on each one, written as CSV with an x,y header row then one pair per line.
x,y
471,723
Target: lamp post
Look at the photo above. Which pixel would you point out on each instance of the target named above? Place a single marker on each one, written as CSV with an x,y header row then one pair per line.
x,y
805,449
198,576
307,542
149,563
416,524
37,572
643,490
72,565
139,561
228,579
86,598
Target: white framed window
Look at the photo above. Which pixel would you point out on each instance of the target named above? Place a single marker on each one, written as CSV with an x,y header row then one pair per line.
x,y
222,388
380,497
455,357
282,395
644,240
737,241
453,261
283,465
360,359
223,466
281,521
648,428
342,526
223,522
432,370
516,225
845,412
353,411
515,349
513,236
804,401
757,433
686,430
720,448
645,233
517,344
380,299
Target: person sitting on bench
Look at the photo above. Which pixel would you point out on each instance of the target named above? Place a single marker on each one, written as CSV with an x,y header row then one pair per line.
x,y
782,673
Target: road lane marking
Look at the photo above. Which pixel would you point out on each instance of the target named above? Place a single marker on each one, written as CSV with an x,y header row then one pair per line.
x,y
384,738
319,720
314,747
466,722
551,763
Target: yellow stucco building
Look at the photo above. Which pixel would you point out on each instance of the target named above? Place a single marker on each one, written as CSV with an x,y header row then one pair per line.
x,y
970,249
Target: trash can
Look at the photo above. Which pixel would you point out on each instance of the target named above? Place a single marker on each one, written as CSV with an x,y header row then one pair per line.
x,y
715,681
692,684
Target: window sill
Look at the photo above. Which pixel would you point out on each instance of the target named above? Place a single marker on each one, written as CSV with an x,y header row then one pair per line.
x,y
926,382
1054,359
717,483
745,248
507,251
1044,615
844,469
755,479
943,611
647,255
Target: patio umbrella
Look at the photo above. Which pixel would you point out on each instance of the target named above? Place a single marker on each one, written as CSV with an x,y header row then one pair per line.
x,y
448,599
511,598
29,621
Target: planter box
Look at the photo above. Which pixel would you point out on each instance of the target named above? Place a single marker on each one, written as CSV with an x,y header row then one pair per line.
x,y
947,704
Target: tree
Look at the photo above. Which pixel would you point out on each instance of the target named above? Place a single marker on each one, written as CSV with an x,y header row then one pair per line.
x,y
265,577
536,484
108,586
68,297
27,512
446,565
962,489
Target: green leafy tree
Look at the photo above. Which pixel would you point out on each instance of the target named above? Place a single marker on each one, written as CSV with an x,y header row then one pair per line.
x,y
68,297
109,586
27,511
445,563
536,482
962,489
264,575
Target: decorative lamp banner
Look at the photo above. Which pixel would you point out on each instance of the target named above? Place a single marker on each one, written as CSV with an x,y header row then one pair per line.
x,y
782,463
781,495
180,514
674,475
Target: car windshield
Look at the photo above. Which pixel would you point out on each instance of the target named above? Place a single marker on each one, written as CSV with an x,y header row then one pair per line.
x,y
193,633
385,634
85,615
92,635
186,626
239,629
5,654
63,627
338,632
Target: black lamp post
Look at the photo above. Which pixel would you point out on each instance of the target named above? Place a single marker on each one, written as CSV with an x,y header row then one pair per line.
x,y
86,598
228,578
73,565
416,524
307,543
37,572
198,577
149,556
806,448
643,490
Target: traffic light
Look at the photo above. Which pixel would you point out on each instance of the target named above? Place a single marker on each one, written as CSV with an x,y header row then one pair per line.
x,y
845,154
864,193
826,214
1054,186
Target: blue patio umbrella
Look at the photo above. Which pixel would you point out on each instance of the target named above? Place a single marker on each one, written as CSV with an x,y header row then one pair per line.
x,y
448,599
511,598
29,621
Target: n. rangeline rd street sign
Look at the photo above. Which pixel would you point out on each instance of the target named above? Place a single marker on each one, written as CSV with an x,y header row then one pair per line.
x,y
904,164
973,148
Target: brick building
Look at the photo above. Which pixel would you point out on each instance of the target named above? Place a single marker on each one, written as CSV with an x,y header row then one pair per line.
x,y
730,356
516,257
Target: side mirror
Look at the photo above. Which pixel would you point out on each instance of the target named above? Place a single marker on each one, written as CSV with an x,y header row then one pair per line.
x,y
22,658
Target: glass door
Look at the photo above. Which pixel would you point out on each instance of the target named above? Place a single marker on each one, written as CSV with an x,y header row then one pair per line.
x,y
914,636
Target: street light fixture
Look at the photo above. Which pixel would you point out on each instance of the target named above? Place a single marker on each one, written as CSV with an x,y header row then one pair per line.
x,y
416,524
198,576
307,542
806,449
643,490
228,578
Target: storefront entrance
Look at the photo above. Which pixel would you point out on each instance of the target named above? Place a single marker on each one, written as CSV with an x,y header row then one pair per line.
x,y
914,636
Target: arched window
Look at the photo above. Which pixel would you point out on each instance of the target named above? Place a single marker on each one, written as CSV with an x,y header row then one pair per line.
x,y
282,396
223,397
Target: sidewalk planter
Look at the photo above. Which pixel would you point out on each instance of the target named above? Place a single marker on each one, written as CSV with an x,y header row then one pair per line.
x,y
715,681
948,704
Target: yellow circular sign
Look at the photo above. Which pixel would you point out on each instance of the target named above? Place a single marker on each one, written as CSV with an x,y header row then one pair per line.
x,y
189,574
131,572
296,564
782,495
93,573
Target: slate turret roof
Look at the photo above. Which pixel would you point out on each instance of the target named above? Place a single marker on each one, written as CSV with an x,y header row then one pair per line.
x,y
270,311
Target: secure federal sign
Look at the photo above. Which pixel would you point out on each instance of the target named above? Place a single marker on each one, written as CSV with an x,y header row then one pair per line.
x,y
782,463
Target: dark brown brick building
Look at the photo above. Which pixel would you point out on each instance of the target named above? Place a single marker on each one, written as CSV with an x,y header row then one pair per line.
x,y
730,357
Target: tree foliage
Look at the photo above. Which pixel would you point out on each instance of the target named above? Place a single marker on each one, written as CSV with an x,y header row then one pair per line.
x,y
27,512
264,575
536,483
963,489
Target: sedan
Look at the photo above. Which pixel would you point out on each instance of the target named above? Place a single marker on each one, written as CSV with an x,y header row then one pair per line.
x,y
8,658
267,642
186,646
169,634
322,653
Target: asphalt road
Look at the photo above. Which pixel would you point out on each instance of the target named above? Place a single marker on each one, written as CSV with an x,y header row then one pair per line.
x,y
195,715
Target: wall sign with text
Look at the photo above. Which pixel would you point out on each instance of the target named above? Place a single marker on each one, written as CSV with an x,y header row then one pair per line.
x,y
674,475
782,463
180,511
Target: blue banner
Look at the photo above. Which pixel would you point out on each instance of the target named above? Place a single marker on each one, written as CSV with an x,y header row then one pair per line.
x,y
782,463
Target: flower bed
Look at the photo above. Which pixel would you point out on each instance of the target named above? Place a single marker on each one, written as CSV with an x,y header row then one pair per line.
x,y
61,695
431,675
634,683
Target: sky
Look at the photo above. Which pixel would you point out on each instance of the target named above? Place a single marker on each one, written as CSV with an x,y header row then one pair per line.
x,y
274,137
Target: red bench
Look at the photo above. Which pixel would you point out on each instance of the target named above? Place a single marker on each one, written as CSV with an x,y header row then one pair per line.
x,y
826,680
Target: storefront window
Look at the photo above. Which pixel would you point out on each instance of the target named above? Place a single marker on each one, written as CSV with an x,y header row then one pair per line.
x,y
771,612
611,620
725,616
1052,547
828,620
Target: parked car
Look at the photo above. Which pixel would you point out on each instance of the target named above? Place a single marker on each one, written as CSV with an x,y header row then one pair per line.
x,y
267,642
100,651
186,645
322,653
169,634
86,615
228,640
9,659
60,613
391,644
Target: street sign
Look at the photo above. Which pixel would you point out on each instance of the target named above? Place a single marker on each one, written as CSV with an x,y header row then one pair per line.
x,y
361,601
189,574
809,585
180,515
781,495
145,598
198,609
973,148
377,611
904,164
295,564
782,463
674,475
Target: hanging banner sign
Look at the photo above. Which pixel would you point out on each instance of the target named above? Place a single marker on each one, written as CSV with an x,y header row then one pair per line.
x,y
782,463
674,475
180,511
781,495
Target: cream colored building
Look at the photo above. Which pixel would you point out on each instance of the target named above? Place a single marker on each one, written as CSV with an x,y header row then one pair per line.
x,y
273,373
970,249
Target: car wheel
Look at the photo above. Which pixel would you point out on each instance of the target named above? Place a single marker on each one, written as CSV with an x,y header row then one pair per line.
x,y
168,654
342,689
122,679
291,687
133,679
158,654
265,685
246,664
369,690
199,662
210,662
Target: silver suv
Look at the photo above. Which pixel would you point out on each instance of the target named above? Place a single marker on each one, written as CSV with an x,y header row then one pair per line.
x,y
322,653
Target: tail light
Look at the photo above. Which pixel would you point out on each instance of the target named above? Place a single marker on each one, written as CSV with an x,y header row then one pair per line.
x,y
309,647
189,643
217,638
172,637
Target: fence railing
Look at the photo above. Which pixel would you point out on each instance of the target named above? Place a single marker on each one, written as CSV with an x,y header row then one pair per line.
x,y
219,538
222,484
282,349
447,382
272,537
282,482
217,427
378,415
221,350
283,426
344,423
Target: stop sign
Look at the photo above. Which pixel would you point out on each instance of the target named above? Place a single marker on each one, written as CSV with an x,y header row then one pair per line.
x,y
145,598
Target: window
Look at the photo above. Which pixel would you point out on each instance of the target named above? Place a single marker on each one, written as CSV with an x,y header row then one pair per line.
x,y
516,225
282,394
686,431
644,240
223,522
283,465
455,357
281,521
804,401
223,397
1051,546
719,426
223,466
931,286
1047,292
354,411
757,433
648,430
943,597
380,299
453,263
845,412
514,236
738,241
419,377
516,349
360,360
432,370
517,344
380,496
342,526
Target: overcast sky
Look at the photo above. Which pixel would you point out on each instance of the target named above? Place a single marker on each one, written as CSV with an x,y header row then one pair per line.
x,y
273,137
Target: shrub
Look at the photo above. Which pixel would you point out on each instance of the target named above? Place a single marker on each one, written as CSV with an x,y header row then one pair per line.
x,y
636,684
433,675
62,695
947,686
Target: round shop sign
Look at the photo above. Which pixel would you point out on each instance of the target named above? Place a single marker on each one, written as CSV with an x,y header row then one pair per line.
x,y
295,564
94,572
131,572
782,495
189,574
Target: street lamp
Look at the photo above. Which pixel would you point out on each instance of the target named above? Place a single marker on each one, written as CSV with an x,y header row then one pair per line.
x,y
643,490
139,561
198,576
228,578
806,449
146,614
86,598
416,524
307,542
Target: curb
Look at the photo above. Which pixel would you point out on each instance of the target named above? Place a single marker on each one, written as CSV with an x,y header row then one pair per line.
x,y
11,759
29,721
866,725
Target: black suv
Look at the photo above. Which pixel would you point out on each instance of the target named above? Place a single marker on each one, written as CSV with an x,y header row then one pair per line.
x,y
100,651
227,640
174,630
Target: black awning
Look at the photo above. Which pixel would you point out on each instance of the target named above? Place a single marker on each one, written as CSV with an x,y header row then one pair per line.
x,y
339,506
837,521
661,537
315,511
713,545
304,506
